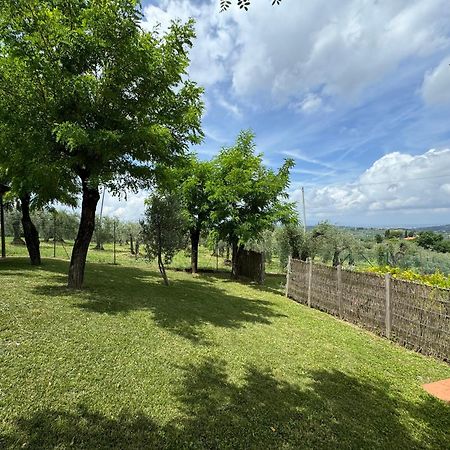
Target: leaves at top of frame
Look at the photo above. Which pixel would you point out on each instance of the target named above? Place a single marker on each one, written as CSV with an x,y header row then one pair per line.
x,y
243,4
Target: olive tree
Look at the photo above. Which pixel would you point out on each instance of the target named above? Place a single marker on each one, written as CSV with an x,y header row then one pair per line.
x,y
163,229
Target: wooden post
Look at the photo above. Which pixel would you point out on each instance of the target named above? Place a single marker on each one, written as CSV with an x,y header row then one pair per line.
x,y
339,288
114,242
310,281
54,234
288,276
388,317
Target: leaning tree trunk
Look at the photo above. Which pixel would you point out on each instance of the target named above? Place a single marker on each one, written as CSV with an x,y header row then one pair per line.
x,y
30,232
91,197
162,269
195,239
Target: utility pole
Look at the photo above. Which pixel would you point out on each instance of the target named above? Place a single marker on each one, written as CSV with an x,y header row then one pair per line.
x,y
304,210
99,231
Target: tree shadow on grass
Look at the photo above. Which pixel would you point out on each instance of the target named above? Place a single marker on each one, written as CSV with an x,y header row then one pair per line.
x,y
331,410
183,308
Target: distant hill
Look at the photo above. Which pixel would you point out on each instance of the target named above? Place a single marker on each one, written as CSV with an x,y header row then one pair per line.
x,y
439,228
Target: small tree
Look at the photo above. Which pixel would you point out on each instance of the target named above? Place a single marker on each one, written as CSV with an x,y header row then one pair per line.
x,y
163,229
192,183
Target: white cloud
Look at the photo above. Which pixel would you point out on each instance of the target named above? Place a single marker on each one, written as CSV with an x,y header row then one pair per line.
x,y
397,183
311,103
339,46
214,43
436,84
130,208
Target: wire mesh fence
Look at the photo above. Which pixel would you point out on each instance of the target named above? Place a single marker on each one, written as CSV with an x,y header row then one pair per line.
x,y
415,315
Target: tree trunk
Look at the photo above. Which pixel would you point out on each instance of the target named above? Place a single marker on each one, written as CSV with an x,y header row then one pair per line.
x,y
136,248
17,240
162,270
195,239
30,232
131,244
91,197
336,259
234,259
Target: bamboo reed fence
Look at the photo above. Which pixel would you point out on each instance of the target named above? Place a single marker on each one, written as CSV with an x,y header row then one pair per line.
x,y
415,315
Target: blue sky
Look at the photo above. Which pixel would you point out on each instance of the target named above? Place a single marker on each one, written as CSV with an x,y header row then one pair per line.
x,y
357,92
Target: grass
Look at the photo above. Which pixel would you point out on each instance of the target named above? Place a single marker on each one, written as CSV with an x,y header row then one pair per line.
x,y
204,363
180,261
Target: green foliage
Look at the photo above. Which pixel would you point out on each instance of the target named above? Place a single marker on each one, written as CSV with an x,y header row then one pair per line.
x,y
292,241
163,229
192,182
433,241
396,234
436,279
378,238
116,100
50,223
335,244
117,97
247,197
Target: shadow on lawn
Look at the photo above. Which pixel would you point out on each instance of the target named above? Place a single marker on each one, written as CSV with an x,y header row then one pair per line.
x,y
334,410
183,308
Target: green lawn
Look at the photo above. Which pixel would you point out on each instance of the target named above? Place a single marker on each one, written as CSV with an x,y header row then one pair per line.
x,y
204,363
181,260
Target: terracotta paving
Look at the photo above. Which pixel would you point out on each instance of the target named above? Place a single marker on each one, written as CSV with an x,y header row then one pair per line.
x,y
440,389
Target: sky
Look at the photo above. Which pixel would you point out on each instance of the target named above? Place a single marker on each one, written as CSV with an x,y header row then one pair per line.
x,y
357,92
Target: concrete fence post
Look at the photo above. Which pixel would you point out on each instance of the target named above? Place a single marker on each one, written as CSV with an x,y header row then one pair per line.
x,y
310,263
388,309
288,276
339,289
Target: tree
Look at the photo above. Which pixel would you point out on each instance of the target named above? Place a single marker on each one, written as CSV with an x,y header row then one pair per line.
x,y
432,241
243,4
119,98
193,184
248,198
163,229
35,178
335,244
293,241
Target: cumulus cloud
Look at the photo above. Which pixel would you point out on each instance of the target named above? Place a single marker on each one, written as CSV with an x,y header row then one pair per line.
x,y
436,84
396,183
214,45
130,208
339,46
